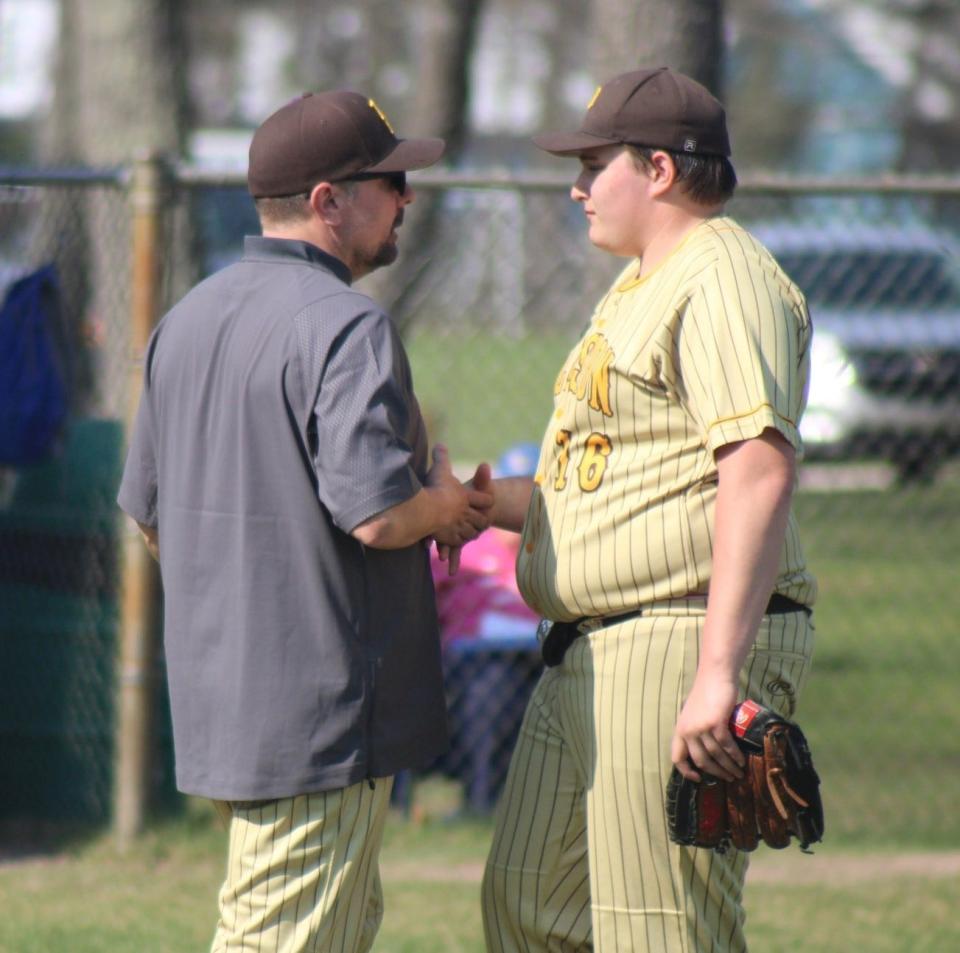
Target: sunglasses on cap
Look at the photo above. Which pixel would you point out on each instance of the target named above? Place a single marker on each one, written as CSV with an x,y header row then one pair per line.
x,y
396,180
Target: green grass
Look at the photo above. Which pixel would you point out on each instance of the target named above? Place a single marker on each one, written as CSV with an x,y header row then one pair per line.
x,y
160,896
480,394
900,915
91,899
882,710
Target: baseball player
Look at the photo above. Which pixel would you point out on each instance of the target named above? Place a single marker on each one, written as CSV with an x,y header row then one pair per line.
x,y
278,469
658,537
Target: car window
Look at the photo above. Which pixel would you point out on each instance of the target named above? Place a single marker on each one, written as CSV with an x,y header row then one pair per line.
x,y
874,279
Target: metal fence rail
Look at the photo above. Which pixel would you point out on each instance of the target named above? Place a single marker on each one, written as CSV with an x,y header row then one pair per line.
x,y
495,300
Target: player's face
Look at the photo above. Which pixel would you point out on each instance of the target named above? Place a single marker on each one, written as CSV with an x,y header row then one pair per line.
x,y
614,195
376,206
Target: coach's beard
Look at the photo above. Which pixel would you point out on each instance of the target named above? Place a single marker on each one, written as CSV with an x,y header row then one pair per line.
x,y
387,252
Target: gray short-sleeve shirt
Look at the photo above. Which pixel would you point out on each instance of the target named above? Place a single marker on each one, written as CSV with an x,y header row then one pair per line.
x,y
277,415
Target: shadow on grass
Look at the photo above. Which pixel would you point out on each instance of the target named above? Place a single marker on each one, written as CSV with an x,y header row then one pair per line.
x,y
25,837
31,838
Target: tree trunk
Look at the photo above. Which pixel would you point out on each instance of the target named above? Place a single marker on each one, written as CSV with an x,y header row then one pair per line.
x,y
446,32
120,93
685,35
930,130
60,237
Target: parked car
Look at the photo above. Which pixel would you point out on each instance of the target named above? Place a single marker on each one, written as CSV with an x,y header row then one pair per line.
x,y
885,359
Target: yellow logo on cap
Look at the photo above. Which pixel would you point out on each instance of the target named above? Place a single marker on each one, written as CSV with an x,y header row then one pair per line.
x,y
594,97
380,113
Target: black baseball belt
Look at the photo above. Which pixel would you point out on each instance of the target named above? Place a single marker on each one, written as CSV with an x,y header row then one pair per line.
x,y
557,637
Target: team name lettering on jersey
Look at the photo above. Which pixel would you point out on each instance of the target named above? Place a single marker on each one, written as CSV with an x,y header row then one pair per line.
x,y
589,375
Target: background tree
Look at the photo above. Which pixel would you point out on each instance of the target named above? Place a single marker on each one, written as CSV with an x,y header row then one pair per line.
x,y
119,93
438,105
686,35
929,110
768,114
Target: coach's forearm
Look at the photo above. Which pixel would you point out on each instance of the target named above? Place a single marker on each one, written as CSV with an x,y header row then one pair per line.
x,y
446,512
401,525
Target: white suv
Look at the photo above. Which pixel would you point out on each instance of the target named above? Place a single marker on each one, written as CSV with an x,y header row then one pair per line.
x,y
885,359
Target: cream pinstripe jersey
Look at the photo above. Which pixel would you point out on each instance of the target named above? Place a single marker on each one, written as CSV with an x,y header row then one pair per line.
x,y
708,349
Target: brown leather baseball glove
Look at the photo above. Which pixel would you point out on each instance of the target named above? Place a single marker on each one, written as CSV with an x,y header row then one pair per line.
x,y
777,798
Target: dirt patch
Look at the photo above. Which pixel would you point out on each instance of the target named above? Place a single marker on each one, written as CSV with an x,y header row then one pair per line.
x,y
466,872
766,867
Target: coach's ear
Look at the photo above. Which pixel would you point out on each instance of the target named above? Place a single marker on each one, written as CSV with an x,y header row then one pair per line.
x,y
327,201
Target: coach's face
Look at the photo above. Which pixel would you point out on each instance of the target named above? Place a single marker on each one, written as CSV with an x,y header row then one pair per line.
x,y
614,194
375,213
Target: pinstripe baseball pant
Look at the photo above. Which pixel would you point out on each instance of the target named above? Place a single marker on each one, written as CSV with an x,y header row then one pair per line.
x,y
581,859
303,873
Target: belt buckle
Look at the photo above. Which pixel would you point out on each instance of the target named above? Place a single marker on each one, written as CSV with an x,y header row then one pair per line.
x,y
543,630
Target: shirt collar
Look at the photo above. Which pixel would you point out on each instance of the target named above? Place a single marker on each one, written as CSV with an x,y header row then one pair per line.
x,y
258,248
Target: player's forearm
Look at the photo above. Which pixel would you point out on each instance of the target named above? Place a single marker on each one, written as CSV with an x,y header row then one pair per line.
x,y
511,500
753,505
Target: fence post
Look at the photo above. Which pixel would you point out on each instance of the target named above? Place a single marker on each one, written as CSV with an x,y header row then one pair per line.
x,y
139,585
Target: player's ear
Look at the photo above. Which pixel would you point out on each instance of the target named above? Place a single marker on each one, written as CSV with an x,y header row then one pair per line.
x,y
662,171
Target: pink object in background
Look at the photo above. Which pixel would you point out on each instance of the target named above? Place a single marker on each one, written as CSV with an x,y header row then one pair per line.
x,y
482,600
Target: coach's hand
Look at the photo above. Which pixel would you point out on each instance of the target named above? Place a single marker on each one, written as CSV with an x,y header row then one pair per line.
x,y
702,738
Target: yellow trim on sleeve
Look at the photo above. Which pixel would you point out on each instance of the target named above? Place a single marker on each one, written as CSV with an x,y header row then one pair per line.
x,y
720,421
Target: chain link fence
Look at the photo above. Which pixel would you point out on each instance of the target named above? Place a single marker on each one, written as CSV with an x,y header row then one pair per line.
x,y
491,293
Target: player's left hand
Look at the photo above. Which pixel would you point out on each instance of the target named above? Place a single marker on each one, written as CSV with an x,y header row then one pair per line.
x,y
701,739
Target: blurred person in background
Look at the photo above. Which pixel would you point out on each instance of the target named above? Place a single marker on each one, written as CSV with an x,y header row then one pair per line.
x,y
278,470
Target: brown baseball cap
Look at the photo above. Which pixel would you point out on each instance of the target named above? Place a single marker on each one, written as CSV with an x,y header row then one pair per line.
x,y
657,108
329,136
